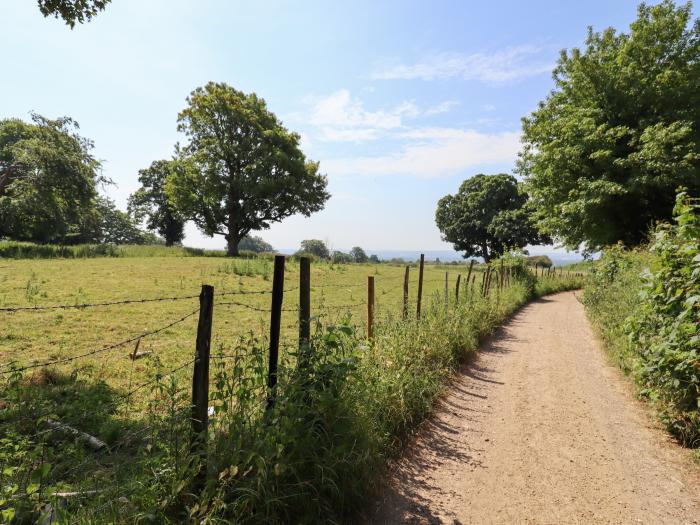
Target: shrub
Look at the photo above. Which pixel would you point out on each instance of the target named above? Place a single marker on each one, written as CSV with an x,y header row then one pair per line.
x,y
665,327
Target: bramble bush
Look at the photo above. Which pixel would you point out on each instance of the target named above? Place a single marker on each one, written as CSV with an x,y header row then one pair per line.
x,y
665,327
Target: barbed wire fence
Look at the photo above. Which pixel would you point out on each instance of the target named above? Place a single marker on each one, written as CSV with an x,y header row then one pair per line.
x,y
43,421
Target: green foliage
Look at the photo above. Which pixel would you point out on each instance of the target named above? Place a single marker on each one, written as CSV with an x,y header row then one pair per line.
x,y
72,11
488,216
242,170
339,257
118,227
665,327
255,244
358,255
316,247
48,180
645,305
540,260
151,201
605,152
28,250
374,259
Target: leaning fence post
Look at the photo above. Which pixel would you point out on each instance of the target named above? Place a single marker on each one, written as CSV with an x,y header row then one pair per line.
x,y
405,293
275,321
370,307
501,277
200,378
304,309
459,278
420,285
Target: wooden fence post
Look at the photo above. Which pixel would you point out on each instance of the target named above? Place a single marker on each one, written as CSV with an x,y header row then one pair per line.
x,y
304,309
447,293
405,292
200,380
370,307
469,273
459,278
275,321
420,285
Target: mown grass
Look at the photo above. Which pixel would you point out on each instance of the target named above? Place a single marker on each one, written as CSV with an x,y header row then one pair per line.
x,y
314,458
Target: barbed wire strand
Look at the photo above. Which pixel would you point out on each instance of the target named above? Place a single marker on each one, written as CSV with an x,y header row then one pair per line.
x,y
119,344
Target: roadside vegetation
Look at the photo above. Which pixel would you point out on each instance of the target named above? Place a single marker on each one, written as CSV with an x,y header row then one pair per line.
x,y
646,306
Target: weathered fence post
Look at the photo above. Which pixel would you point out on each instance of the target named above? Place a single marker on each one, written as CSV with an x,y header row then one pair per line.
x,y
200,381
459,278
501,277
447,292
405,292
370,307
275,321
469,274
420,285
304,309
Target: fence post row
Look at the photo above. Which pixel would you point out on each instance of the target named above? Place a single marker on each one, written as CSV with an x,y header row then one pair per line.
x,y
275,322
420,285
304,310
200,380
370,307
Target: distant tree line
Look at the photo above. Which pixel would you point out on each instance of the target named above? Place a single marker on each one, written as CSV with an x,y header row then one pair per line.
x,y
318,249
239,172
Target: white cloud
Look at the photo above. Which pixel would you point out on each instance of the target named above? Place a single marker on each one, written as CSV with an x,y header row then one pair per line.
x,y
340,117
434,152
443,107
498,67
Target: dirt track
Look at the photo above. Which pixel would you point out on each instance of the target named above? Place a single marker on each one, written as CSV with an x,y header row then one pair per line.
x,y
540,428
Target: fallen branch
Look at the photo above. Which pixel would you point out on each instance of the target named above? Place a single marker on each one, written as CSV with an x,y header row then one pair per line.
x,y
94,443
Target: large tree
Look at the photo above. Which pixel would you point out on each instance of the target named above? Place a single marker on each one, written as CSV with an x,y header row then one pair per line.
x,y
487,216
604,153
247,169
48,179
315,247
150,201
72,11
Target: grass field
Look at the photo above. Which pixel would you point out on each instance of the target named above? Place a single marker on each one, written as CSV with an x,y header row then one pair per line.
x,y
368,397
29,337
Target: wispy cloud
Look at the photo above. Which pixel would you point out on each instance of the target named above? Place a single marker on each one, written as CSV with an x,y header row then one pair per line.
x,y
341,117
501,66
434,152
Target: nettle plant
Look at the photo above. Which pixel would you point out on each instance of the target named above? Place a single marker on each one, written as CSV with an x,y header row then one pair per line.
x,y
665,328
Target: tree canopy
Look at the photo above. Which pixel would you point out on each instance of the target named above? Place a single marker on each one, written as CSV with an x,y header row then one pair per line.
x,y
150,201
245,170
359,255
315,247
487,216
605,152
72,11
254,243
48,180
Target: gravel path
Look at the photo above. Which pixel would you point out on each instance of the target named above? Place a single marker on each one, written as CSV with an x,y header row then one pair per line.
x,y
540,428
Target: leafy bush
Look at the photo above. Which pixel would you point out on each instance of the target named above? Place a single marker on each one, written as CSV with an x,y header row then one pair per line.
x,y
645,304
665,328
29,250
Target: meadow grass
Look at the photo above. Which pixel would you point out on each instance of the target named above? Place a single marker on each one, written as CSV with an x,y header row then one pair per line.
x,y
334,426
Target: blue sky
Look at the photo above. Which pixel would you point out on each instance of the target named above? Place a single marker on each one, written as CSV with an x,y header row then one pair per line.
x,y
399,100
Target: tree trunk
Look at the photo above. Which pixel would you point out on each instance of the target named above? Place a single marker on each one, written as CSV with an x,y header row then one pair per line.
x,y
232,246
